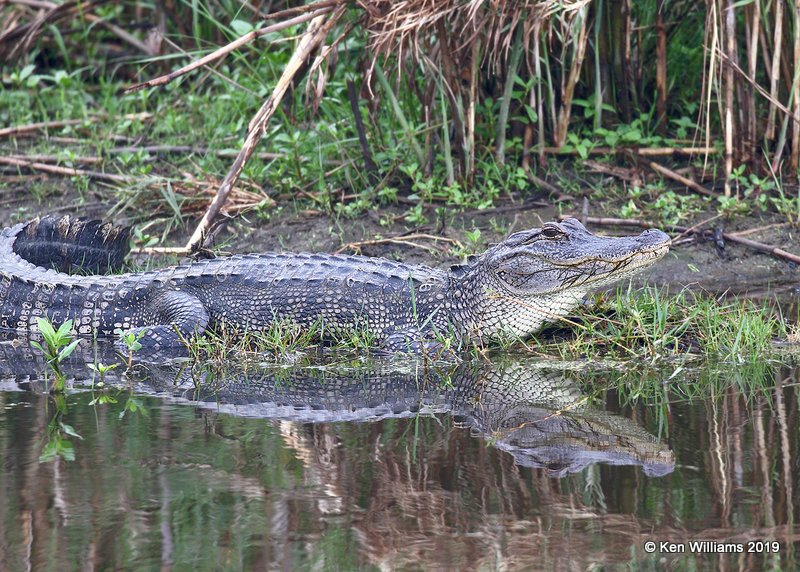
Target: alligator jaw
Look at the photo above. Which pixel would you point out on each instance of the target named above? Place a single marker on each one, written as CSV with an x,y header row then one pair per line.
x,y
540,275
531,263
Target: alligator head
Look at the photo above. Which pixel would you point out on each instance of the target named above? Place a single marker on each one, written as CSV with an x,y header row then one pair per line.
x,y
536,275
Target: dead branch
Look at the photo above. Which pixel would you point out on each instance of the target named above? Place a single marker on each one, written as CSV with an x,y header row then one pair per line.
x,y
189,150
227,49
304,9
317,31
622,173
538,181
55,170
761,247
56,159
760,229
402,240
25,129
641,151
669,173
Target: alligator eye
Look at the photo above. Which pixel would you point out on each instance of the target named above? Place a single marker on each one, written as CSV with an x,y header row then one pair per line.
x,y
552,231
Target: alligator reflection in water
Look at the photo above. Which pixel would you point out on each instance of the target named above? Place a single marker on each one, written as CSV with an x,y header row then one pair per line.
x,y
538,415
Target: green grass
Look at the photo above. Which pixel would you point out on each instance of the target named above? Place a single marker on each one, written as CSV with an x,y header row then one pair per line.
x,y
314,158
653,324
285,341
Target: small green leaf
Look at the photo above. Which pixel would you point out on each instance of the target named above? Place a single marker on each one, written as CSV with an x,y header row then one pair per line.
x,y
64,354
69,430
242,27
45,328
64,329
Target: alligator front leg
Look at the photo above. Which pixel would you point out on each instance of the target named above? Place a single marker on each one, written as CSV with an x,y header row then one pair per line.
x,y
176,316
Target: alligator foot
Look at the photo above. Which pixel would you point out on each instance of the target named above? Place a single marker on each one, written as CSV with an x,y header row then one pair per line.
x,y
153,338
179,315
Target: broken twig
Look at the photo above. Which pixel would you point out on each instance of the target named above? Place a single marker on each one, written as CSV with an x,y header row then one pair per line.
x,y
55,170
225,50
403,240
317,31
670,174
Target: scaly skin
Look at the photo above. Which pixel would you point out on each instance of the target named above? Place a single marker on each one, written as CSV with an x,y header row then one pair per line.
x,y
530,278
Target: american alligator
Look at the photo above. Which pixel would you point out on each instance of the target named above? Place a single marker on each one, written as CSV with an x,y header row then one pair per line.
x,y
512,289
538,415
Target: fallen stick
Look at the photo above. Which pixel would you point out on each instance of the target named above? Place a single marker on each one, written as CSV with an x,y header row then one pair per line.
x,y
619,172
641,151
730,237
189,149
29,127
317,31
544,184
55,159
761,247
404,240
56,170
116,30
670,174
150,250
610,221
694,227
759,229
20,129
225,50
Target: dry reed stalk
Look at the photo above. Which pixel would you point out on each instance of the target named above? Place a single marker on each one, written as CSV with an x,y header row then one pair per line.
x,y
777,45
661,69
795,156
539,99
598,76
709,84
473,96
579,51
752,62
728,121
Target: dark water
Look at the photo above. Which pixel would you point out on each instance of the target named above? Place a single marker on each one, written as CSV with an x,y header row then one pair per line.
x,y
511,466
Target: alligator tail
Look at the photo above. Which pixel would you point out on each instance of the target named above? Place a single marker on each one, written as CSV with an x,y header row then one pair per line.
x,y
73,245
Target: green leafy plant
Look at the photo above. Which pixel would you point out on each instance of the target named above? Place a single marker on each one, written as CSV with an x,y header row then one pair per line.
x,y
101,369
133,405
131,340
58,345
58,443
